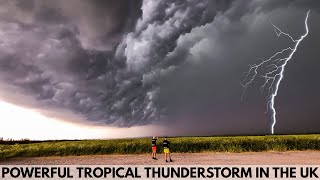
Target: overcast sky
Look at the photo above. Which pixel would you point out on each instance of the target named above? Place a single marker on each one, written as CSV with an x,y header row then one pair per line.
x,y
173,63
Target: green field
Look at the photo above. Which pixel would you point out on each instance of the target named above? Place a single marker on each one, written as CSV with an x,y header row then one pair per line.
x,y
178,145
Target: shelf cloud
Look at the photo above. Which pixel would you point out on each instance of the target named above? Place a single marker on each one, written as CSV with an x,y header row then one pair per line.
x,y
130,63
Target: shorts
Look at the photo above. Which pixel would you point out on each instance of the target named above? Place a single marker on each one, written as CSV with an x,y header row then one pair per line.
x,y
166,150
154,148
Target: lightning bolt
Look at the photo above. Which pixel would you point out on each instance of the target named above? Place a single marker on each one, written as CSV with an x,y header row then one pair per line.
x,y
272,70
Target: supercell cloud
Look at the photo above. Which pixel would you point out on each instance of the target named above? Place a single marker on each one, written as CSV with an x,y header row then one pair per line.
x,y
130,63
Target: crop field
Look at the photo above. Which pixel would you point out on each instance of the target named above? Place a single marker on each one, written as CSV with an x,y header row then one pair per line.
x,y
178,145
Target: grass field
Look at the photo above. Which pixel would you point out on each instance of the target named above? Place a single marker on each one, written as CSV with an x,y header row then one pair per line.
x,y
181,145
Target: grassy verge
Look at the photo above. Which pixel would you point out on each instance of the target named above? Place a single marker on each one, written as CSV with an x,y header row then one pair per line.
x,y
181,145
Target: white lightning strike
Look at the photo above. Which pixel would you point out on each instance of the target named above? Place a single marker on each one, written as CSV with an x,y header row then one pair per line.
x,y
272,69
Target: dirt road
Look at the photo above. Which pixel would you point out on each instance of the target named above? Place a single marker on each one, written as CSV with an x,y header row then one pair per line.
x,y
252,158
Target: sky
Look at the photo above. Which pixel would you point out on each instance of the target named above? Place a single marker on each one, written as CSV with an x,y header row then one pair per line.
x,y
81,69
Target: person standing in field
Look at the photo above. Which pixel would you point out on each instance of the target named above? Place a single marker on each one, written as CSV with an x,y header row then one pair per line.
x,y
154,147
166,150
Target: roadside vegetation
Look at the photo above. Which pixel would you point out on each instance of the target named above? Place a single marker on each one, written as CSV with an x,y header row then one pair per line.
x,y
143,145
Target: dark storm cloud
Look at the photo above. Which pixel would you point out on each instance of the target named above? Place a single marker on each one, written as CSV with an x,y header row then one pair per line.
x,y
127,63
204,93
145,50
50,52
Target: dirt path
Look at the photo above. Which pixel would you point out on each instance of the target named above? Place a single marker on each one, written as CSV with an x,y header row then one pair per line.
x,y
252,158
